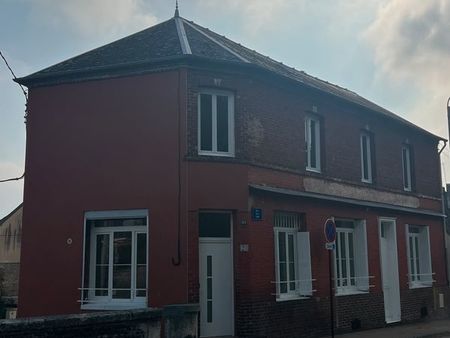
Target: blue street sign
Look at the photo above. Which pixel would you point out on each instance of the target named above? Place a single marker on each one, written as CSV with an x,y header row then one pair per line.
x,y
256,214
330,230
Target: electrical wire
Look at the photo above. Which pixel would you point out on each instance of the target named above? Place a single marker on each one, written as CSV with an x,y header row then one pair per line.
x,y
14,77
13,179
25,93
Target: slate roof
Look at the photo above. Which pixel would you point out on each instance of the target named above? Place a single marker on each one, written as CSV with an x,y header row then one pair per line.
x,y
179,40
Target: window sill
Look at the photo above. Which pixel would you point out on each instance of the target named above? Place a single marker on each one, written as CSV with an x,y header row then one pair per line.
x,y
289,298
213,153
420,285
350,292
313,170
114,306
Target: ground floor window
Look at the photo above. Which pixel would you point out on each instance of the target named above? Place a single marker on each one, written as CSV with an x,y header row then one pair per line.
x,y
419,256
115,264
351,269
292,255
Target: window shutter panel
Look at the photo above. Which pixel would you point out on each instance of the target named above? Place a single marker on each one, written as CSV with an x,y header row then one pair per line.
x,y
408,250
361,267
304,264
425,256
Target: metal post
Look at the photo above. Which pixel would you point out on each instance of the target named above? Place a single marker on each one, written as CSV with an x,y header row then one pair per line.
x,y
331,294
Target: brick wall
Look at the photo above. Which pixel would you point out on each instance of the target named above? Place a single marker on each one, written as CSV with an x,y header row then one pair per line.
x,y
269,131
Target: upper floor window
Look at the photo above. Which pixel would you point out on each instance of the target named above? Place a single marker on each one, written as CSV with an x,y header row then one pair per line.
x,y
216,123
292,256
312,139
419,256
351,267
366,158
407,168
115,265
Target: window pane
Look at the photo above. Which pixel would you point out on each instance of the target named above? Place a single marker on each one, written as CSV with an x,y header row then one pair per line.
x,y
122,281
141,248
364,140
102,265
122,264
141,267
214,224
351,258
222,123
282,261
313,150
338,259
206,122
291,262
406,169
122,247
411,259
116,222
416,240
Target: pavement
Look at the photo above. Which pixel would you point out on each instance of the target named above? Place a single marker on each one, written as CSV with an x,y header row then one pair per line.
x,y
425,329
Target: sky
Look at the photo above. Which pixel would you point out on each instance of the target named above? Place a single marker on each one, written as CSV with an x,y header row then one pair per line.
x,y
395,53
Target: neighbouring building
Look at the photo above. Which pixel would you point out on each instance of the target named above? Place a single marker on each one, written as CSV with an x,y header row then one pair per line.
x,y
10,236
177,166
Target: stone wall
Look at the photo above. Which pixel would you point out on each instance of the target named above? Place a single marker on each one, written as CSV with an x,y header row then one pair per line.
x,y
173,321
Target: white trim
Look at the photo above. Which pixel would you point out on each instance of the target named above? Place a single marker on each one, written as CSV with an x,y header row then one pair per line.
x,y
406,167
217,42
225,240
308,142
133,213
368,150
184,42
107,302
231,141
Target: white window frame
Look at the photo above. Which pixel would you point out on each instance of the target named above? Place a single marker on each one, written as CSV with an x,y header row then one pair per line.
x,y
368,149
308,144
214,151
360,261
420,275
107,302
288,225
406,166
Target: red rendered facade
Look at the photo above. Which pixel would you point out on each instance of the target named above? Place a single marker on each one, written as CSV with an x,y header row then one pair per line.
x,y
131,143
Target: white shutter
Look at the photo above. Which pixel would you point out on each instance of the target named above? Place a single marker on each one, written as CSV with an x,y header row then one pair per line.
x,y
425,256
304,264
408,255
361,267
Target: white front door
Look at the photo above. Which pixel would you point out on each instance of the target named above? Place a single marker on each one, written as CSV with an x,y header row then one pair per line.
x,y
216,287
389,269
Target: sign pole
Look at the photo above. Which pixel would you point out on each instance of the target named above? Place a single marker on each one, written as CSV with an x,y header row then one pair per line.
x,y
331,294
329,230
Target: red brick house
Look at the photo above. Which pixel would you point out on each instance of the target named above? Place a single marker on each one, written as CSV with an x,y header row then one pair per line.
x,y
177,166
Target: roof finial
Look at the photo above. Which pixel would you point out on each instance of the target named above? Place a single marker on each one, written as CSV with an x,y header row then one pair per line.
x,y
177,13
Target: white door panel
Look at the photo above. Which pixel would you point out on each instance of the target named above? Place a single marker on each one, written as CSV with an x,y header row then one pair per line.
x,y
389,270
216,287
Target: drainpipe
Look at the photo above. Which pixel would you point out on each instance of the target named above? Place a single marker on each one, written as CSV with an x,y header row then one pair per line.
x,y
445,206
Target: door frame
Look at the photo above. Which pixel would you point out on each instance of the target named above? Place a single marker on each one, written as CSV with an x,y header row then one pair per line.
x,y
229,240
393,221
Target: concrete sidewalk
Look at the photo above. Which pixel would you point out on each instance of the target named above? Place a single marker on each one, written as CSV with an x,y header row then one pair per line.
x,y
436,328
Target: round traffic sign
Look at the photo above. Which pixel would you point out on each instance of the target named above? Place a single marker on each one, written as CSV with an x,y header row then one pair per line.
x,y
329,230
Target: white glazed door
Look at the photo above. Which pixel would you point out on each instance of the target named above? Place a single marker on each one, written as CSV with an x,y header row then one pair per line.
x,y
216,287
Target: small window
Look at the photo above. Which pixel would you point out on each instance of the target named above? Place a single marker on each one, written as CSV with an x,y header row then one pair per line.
x,y
366,158
216,123
293,259
407,168
419,257
115,266
312,141
351,267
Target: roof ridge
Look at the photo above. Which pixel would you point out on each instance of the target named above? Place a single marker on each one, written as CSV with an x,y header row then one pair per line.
x,y
184,41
